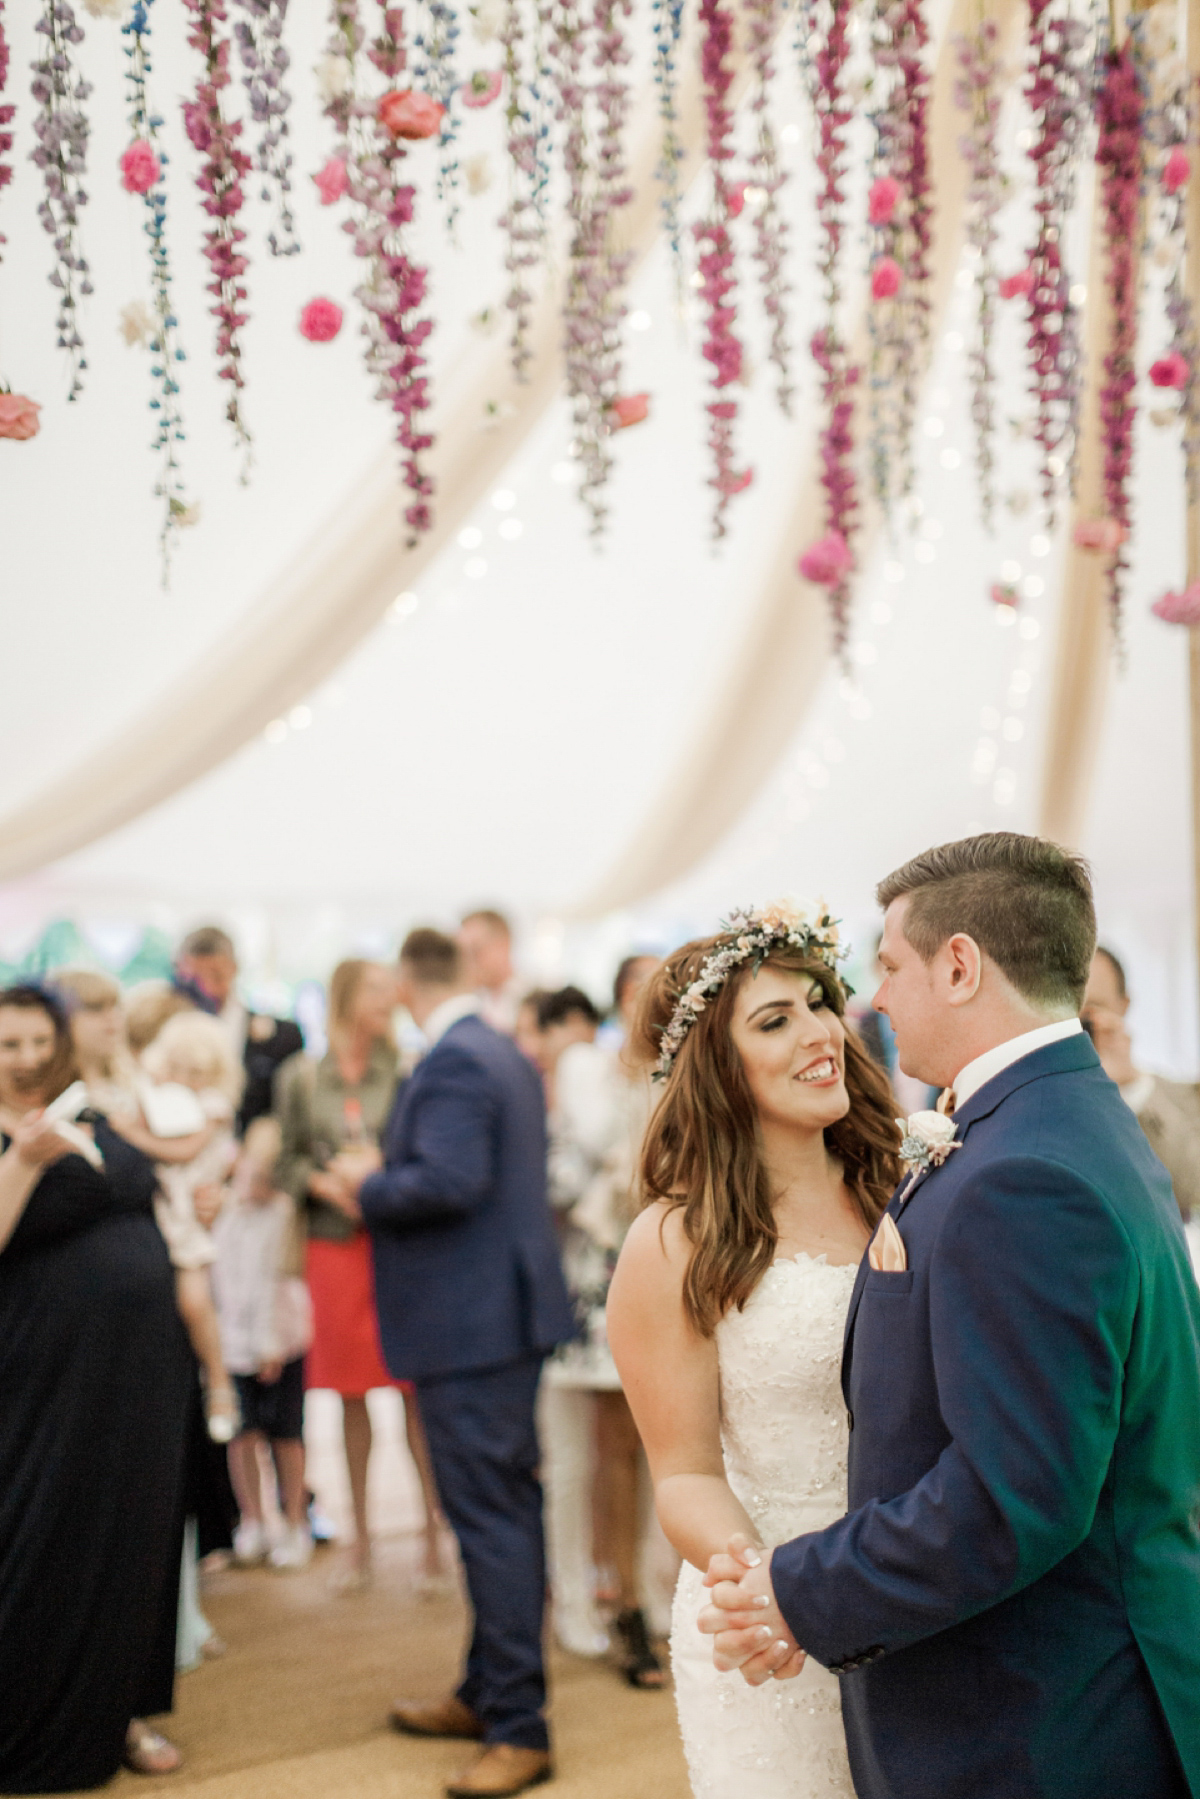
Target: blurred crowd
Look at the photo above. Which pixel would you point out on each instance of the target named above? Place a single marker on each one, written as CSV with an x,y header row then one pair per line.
x,y
200,1221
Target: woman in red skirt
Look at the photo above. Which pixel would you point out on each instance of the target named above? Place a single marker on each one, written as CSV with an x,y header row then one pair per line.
x,y
325,1106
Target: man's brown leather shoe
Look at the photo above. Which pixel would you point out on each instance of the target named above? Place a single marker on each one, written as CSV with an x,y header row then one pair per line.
x,y
436,1718
503,1768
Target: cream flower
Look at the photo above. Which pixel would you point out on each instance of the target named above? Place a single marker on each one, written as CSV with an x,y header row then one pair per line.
x,y
487,20
933,1129
333,77
478,173
104,9
137,322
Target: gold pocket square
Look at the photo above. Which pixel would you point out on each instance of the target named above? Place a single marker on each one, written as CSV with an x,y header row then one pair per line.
x,y
886,1254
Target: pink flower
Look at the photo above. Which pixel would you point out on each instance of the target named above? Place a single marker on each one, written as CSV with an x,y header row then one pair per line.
x,y
1015,287
1170,371
483,87
826,561
1176,169
320,321
19,416
1103,535
886,278
733,483
140,167
1004,593
1179,608
404,113
330,182
881,202
735,198
629,409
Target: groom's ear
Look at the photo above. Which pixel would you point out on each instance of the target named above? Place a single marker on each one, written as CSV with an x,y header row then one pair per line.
x,y
962,968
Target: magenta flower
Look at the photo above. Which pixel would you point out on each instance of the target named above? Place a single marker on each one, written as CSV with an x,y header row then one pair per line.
x,y
886,278
483,87
1017,287
320,321
1179,608
140,168
881,201
1170,371
1176,169
331,181
828,561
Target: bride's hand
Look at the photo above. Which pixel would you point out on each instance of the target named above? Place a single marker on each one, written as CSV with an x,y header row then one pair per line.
x,y
748,1629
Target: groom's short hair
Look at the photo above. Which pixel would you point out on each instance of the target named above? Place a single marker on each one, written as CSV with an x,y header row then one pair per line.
x,y
1026,902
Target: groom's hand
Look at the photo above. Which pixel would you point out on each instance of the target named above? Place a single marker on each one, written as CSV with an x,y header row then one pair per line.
x,y
747,1626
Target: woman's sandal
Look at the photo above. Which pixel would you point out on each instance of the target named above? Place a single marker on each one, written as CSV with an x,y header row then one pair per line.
x,y
639,1664
148,1752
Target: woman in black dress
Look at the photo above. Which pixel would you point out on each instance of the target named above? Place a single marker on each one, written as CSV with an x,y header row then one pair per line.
x,y
94,1386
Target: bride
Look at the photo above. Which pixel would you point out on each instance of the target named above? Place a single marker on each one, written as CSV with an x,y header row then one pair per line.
x,y
768,1162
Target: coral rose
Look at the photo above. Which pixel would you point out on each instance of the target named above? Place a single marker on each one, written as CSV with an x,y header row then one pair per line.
x,y
1176,169
827,560
140,167
1103,535
629,409
404,113
886,278
1015,287
881,202
483,87
18,416
330,182
321,321
1170,371
1179,608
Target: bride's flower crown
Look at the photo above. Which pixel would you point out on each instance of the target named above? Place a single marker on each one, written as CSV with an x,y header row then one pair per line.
x,y
753,936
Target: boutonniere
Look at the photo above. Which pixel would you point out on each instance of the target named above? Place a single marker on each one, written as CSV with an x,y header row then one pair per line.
x,y
928,1138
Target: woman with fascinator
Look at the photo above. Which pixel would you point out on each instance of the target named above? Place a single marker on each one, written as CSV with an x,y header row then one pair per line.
x,y
768,1162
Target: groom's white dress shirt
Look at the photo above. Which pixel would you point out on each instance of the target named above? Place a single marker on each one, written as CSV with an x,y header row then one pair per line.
x,y
994,1061
462,1005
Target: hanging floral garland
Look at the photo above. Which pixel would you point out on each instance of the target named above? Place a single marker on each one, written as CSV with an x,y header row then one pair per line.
x,y
222,172
259,33
824,26
7,111
769,177
715,261
1059,95
143,168
667,16
900,214
372,136
1166,131
435,73
978,94
61,128
1119,158
522,220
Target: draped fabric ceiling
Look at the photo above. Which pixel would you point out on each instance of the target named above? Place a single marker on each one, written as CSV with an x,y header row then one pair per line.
x,y
646,734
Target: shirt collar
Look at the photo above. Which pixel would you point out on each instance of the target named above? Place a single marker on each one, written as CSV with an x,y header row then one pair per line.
x,y
994,1061
461,1005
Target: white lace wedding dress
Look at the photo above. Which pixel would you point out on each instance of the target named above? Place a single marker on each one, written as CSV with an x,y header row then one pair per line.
x,y
783,1425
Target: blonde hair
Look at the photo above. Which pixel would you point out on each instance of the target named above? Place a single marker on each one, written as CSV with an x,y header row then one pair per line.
x,y
344,984
201,1040
91,991
262,1146
147,1008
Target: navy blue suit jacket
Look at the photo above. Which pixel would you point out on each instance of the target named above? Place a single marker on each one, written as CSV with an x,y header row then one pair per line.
x,y
1013,1599
467,1270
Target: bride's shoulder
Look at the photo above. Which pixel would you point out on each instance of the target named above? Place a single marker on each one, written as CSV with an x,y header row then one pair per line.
x,y
655,1253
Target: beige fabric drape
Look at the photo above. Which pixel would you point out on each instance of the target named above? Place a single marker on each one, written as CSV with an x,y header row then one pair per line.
x,y
337,588
748,724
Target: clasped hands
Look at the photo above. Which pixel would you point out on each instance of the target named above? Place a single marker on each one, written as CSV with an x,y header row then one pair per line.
x,y
747,1627
339,1182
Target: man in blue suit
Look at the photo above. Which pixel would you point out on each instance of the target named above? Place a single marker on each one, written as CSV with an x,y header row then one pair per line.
x,y
1013,1599
471,1299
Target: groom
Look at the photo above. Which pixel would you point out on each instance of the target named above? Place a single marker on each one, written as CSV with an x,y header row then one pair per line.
x,y
1013,1599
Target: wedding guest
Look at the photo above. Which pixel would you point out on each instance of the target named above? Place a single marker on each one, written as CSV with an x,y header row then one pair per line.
x,y
207,964
94,1382
471,1300
343,1100
1168,1111
603,1102
485,941
527,1032
147,1008
266,1326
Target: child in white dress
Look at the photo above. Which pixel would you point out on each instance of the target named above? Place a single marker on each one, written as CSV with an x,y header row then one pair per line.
x,y
195,1083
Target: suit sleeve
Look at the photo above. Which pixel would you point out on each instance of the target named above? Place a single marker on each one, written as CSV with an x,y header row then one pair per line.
x,y
1033,1288
447,1168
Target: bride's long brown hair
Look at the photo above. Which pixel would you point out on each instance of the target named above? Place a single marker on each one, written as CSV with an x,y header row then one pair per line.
x,y
701,1151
